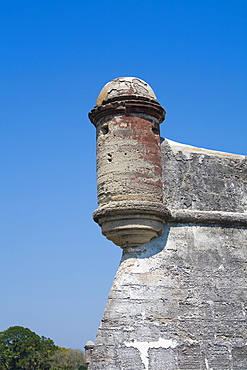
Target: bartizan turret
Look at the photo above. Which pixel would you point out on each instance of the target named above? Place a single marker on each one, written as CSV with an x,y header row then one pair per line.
x,y
127,116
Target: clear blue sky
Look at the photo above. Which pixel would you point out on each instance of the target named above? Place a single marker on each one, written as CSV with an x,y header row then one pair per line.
x,y
56,268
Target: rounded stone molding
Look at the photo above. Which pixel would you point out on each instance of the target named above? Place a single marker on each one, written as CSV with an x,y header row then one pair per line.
x,y
131,224
207,217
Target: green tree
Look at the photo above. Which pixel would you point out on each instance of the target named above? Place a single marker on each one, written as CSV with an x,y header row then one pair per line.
x,y
68,359
22,349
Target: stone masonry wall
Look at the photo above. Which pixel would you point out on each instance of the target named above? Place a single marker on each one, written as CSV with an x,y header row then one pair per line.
x,y
179,301
203,179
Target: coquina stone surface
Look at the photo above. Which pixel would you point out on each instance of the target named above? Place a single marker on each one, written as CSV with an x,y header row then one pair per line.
x,y
127,116
178,301
202,179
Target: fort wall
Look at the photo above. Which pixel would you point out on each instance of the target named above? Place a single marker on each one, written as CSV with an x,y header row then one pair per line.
x,y
178,301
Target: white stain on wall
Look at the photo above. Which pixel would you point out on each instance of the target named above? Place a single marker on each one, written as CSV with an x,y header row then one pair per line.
x,y
143,347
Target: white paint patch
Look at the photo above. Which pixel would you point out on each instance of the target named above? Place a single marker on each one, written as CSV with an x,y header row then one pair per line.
x,y
243,310
143,347
207,365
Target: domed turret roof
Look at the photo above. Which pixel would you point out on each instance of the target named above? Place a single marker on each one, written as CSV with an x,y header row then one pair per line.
x,y
125,86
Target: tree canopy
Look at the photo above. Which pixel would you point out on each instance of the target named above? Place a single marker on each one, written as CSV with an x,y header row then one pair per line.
x,y
22,349
67,358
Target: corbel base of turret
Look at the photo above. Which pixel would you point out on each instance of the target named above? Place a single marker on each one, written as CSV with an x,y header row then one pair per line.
x,y
130,224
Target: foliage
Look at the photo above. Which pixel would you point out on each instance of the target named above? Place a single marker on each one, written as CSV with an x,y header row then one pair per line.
x,y
22,349
68,359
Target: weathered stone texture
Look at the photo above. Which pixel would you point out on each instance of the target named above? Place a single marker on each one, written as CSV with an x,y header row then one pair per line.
x,y
128,160
129,166
122,86
178,303
202,179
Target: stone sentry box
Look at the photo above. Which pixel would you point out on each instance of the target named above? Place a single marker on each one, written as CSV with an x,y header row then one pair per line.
x,y
129,168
